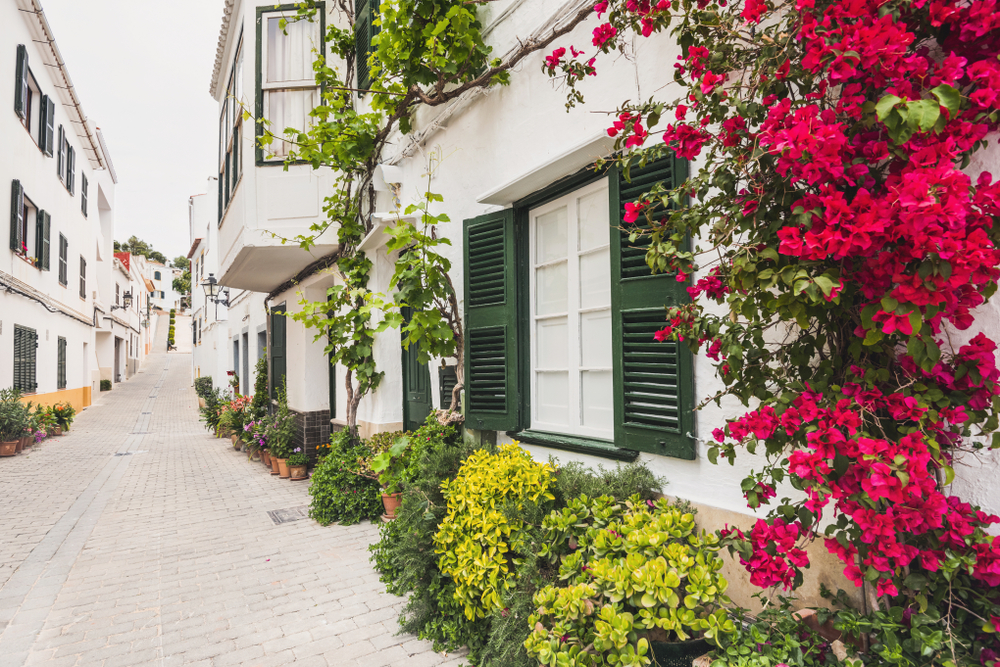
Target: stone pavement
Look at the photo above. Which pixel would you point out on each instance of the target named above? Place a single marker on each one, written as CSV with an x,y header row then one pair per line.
x,y
138,539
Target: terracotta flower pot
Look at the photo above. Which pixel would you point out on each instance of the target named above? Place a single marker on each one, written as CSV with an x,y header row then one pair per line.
x,y
265,456
298,473
26,442
274,465
391,503
8,448
201,402
55,431
283,468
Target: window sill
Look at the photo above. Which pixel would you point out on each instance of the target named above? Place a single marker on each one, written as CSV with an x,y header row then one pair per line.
x,y
575,443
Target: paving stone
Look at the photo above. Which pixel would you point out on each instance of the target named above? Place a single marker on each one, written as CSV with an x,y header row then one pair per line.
x,y
167,556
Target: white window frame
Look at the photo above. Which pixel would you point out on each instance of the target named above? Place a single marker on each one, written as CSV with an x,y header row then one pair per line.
x,y
575,364
278,150
231,127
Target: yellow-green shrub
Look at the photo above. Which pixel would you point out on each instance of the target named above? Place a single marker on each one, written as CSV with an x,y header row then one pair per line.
x,y
477,543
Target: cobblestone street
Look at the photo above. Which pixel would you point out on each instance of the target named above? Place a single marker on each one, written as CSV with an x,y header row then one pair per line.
x,y
138,539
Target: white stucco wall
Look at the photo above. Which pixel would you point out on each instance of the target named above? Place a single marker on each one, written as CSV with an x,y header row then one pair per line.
x,y
88,236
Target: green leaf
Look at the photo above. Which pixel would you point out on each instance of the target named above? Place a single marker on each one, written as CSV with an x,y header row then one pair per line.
x,y
923,114
949,98
885,105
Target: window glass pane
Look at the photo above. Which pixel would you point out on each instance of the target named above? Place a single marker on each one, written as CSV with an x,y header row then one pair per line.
x,y
289,108
289,56
598,411
551,285
553,337
595,339
553,398
550,237
595,279
592,221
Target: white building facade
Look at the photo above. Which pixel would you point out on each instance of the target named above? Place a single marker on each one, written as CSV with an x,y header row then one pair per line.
x,y
559,310
55,275
229,333
162,276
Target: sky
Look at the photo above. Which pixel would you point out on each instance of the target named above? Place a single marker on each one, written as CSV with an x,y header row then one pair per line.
x,y
142,72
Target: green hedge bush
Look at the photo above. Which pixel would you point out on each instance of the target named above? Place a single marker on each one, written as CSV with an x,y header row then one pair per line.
x,y
203,386
338,492
408,565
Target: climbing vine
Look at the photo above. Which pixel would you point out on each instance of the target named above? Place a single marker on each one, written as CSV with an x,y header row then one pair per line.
x,y
427,53
840,252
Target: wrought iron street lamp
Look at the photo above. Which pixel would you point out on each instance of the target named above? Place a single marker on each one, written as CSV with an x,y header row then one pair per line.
x,y
213,291
126,302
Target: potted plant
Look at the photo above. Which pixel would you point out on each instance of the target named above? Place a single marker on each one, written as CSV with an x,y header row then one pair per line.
x,y
13,419
64,414
47,421
390,465
280,433
637,584
297,464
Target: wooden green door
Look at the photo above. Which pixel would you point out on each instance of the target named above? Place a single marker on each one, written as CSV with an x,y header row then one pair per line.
x,y
416,389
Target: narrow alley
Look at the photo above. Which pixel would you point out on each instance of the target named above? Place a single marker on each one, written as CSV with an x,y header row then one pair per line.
x,y
139,539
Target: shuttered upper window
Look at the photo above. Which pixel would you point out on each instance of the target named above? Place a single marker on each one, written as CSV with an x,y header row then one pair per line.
x,y
560,315
83,278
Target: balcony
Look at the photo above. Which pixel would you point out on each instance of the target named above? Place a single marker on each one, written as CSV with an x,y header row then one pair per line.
x,y
269,204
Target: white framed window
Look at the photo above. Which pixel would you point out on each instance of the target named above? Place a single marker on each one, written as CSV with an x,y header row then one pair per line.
x,y
287,81
231,130
570,305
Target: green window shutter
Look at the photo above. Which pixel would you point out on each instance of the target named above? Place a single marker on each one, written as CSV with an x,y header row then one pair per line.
x,y
71,170
61,159
278,349
83,278
492,372
25,353
21,83
16,216
46,231
364,31
61,372
83,193
653,382
63,260
46,126
39,238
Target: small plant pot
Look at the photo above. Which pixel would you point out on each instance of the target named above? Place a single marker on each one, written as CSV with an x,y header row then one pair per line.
x,y
298,473
283,468
678,654
8,448
391,503
26,442
201,402
265,456
274,465
20,446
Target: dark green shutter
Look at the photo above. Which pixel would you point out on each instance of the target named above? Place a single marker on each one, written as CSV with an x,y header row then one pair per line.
x,y
364,31
71,170
491,368
46,127
39,238
279,364
83,193
21,83
63,260
653,381
45,228
61,155
61,372
25,354
83,278
447,379
16,216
